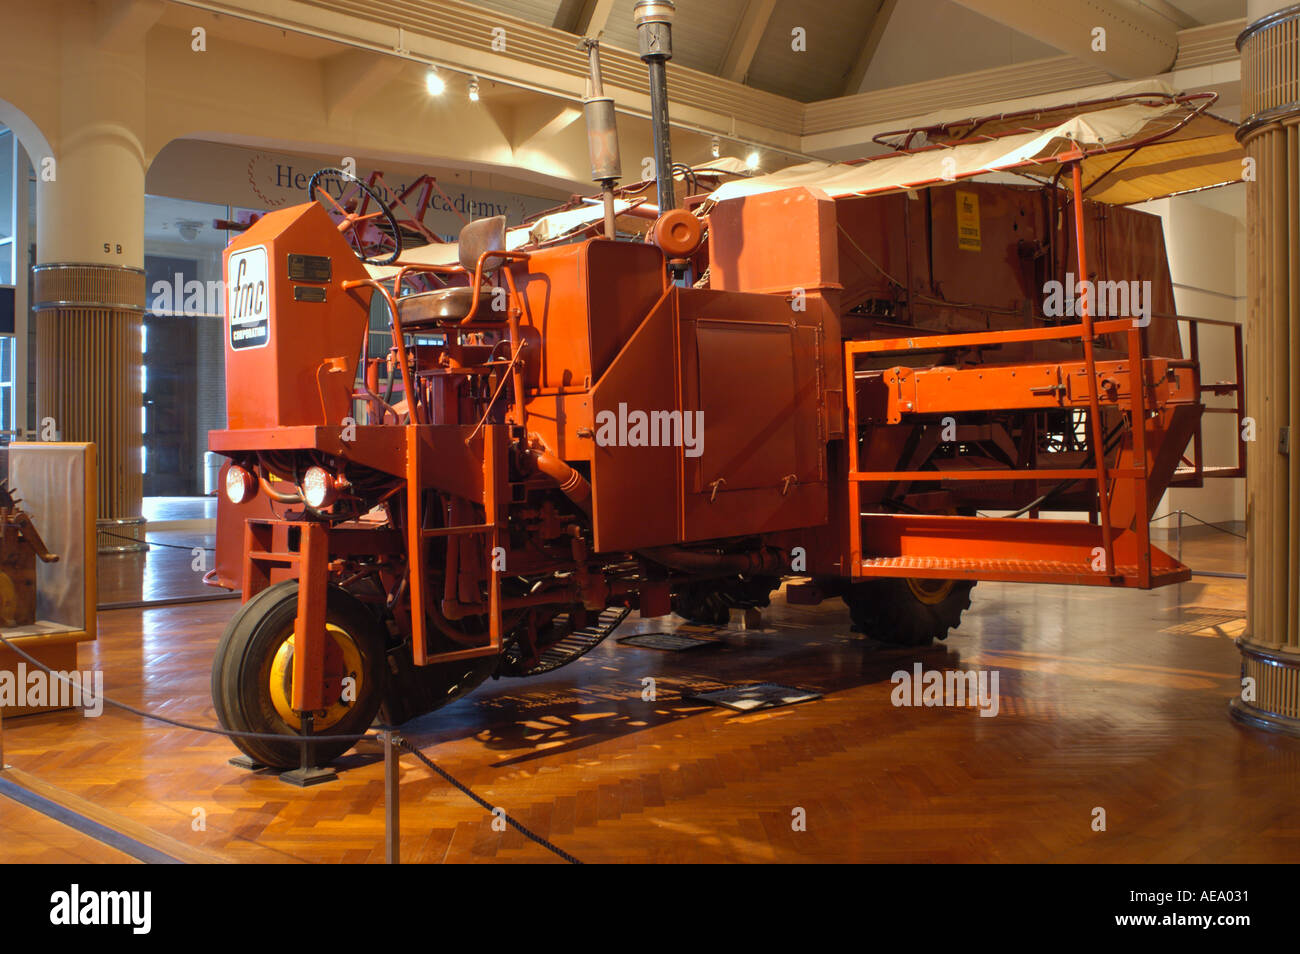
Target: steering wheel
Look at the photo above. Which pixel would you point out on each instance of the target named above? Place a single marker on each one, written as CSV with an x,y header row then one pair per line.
x,y
375,242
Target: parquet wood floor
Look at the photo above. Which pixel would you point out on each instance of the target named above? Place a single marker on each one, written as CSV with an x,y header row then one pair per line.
x,y
167,570
1108,699
30,837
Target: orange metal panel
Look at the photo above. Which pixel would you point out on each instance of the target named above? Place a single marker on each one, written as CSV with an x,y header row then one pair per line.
x,y
972,228
998,548
416,551
754,367
557,417
582,302
751,434
276,339
624,280
496,495
636,490
774,241
309,626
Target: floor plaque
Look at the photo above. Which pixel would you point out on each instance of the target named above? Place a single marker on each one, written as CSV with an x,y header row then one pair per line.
x,y
762,695
668,642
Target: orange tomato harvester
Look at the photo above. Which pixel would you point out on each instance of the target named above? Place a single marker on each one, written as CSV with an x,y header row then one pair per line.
x,y
828,374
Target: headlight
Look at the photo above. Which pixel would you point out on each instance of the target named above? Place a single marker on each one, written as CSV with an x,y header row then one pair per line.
x,y
240,484
318,487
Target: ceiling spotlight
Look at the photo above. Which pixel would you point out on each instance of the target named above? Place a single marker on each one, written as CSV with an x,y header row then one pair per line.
x,y
752,160
473,89
716,147
434,84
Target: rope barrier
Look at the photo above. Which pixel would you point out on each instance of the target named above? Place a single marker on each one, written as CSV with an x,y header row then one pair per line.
x,y
155,543
211,730
277,737
488,806
1212,526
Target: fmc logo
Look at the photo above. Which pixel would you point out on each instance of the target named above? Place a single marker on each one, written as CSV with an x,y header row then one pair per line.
x,y
248,298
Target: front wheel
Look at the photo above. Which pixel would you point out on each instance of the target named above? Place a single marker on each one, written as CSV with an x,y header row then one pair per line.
x,y
908,612
252,675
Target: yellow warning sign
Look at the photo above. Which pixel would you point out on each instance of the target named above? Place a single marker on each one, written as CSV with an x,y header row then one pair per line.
x,y
968,221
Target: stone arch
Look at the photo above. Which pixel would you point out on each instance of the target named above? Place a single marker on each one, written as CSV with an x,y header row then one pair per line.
x,y
30,136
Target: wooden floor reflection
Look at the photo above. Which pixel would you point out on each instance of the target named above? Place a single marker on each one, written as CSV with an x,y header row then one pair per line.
x,y
1109,699
172,568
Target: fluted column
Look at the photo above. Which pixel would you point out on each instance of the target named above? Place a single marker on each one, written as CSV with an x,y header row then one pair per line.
x,y
1270,132
89,287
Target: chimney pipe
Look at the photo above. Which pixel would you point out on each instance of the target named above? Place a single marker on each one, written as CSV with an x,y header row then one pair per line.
x,y
654,29
602,133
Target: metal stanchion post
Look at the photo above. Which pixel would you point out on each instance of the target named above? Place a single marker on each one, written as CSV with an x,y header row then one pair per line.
x,y
1180,536
392,801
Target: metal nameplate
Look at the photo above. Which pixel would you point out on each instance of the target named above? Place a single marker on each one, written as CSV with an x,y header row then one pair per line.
x,y
309,268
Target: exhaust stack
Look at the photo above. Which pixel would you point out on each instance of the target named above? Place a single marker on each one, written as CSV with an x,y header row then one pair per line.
x,y
602,133
654,30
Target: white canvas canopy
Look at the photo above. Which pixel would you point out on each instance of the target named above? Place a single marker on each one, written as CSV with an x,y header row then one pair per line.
x,y
1191,150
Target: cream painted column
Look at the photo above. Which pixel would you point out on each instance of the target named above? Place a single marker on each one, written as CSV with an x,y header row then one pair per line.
x,y
89,287
1270,131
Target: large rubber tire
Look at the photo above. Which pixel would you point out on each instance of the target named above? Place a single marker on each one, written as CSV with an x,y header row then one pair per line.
x,y
702,608
906,612
709,603
241,674
414,691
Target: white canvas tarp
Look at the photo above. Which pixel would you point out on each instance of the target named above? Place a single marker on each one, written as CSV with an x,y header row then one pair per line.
x,y
1205,146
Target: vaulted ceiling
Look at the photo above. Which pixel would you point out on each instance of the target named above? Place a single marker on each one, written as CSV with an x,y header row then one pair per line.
x,y
848,46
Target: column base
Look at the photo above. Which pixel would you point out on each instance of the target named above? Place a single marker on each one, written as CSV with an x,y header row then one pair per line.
x,y
121,535
1275,705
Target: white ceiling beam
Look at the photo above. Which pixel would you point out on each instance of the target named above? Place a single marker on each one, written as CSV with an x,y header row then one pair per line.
x,y
1124,39
870,43
120,20
530,124
1171,13
352,77
744,41
583,17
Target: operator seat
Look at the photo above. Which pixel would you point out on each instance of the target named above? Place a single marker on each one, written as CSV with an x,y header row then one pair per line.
x,y
431,308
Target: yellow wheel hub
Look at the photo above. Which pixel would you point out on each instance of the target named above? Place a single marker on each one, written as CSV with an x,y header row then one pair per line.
x,y
342,662
930,592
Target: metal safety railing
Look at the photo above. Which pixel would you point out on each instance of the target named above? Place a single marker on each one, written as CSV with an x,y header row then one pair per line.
x,y
1098,472
995,387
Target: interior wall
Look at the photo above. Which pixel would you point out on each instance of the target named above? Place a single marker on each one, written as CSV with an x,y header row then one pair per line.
x,y
1205,236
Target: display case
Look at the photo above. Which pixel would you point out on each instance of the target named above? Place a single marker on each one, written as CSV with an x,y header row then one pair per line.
x,y
51,489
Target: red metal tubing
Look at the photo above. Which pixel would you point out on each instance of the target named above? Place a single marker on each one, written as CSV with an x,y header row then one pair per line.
x,y
478,277
399,340
572,484
1094,406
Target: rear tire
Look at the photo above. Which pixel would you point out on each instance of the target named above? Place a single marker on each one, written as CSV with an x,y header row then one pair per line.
x,y
702,607
905,612
250,687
